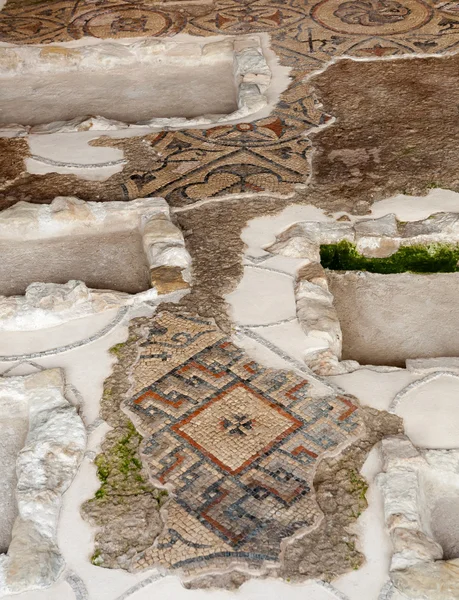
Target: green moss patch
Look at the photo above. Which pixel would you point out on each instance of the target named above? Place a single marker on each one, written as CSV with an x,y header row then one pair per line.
x,y
119,468
431,258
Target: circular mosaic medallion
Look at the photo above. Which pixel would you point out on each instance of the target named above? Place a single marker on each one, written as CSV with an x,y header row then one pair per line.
x,y
126,21
375,17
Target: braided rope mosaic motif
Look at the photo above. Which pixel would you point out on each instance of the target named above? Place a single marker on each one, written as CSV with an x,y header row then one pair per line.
x,y
235,442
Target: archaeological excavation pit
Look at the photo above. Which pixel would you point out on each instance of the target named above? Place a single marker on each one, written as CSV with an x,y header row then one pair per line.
x,y
377,291
111,261
150,82
130,247
396,307
386,319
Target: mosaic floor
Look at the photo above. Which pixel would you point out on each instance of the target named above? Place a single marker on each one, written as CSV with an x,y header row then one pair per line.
x,y
266,470
269,155
236,444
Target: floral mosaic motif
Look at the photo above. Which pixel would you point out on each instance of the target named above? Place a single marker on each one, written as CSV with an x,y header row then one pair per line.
x,y
235,442
250,157
381,17
250,17
372,12
270,155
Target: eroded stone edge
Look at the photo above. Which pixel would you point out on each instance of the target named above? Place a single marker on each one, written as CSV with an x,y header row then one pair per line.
x,y
46,466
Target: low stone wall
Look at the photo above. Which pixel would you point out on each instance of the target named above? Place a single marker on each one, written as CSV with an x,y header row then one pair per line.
x,y
420,489
45,467
47,304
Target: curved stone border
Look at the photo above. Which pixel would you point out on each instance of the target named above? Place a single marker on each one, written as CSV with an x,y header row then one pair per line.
x,y
67,347
251,71
46,465
73,165
418,383
49,304
373,238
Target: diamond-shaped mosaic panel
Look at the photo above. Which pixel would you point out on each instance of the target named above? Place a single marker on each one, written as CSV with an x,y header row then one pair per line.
x,y
236,427
237,444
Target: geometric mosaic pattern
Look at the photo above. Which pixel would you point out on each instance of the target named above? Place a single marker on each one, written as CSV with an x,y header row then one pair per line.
x,y
271,154
236,444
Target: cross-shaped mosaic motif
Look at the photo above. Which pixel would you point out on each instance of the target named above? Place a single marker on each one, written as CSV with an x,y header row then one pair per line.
x,y
235,442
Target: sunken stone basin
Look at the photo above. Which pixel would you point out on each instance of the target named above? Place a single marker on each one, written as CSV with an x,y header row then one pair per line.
x,y
112,261
71,258
388,318
147,83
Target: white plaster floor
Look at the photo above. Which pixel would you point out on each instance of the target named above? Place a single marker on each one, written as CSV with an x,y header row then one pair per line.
x,y
263,310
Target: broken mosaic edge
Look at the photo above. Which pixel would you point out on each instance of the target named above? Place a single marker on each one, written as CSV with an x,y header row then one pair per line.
x,y
265,570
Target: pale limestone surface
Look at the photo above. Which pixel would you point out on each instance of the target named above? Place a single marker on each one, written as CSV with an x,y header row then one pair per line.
x,y
414,208
13,425
259,300
388,318
45,466
433,401
114,261
67,153
47,304
316,312
420,491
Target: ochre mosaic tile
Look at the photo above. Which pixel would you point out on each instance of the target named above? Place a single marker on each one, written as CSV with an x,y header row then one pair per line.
x,y
270,155
236,444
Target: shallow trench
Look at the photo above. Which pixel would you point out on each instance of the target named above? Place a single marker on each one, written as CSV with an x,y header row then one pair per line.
x,y
129,94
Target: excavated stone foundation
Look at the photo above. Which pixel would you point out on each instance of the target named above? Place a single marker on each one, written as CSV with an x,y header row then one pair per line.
x,y
114,261
386,319
208,192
